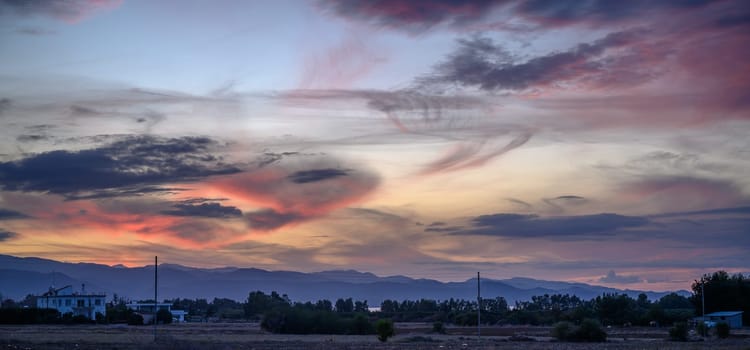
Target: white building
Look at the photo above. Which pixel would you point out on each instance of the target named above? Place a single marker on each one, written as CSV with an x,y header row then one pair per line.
x,y
65,301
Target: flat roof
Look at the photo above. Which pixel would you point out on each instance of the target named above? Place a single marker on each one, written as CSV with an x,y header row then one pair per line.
x,y
724,313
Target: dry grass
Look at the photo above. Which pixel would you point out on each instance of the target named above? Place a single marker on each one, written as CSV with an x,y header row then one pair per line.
x,y
250,336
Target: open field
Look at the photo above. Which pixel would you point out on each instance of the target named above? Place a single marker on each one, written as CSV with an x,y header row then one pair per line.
x,y
250,336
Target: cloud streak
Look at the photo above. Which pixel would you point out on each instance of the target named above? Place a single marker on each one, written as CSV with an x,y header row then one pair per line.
x,y
563,227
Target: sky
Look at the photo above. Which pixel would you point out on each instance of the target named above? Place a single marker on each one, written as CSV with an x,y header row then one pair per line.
x,y
603,142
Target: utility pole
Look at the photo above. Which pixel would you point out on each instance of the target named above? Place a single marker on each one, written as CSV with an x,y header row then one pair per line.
x,y
703,300
156,302
479,308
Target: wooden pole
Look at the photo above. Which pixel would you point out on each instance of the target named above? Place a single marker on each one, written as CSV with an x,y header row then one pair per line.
x,y
479,308
156,302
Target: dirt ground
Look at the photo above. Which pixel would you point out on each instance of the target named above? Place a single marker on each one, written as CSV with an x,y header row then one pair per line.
x,y
408,336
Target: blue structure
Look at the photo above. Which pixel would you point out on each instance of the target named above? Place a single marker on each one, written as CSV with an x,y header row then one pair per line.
x,y
732,318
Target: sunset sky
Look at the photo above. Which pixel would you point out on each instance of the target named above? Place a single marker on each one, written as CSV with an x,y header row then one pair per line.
x,y
605,142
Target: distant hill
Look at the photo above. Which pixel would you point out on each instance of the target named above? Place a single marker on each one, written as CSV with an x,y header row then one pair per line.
x,y
22,276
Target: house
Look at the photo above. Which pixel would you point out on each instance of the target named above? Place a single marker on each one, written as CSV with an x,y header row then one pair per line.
x,y
147,310
732,318
64,300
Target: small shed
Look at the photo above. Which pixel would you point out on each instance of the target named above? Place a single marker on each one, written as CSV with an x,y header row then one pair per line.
x,y
732,318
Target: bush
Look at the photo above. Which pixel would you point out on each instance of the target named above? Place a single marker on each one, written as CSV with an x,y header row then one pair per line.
x,y
701,329
163,316
722,330
588,331
562,331
361,325
384,329
438,328
679,331
135,319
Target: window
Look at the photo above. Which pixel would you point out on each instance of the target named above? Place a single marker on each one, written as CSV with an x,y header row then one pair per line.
x,y
80,303
97,302
67,302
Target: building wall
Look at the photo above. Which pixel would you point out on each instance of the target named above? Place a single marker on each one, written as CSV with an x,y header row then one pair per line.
x,y
86,305
733,321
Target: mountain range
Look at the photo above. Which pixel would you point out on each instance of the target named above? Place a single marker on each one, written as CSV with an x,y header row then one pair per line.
x,y
22,276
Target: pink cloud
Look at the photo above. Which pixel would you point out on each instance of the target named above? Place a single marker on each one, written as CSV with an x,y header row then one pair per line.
x,y
297,192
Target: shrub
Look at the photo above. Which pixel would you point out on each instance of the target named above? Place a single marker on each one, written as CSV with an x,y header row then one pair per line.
x,y
588,331
360,325
438,327
135,319
701,329
722,330
384,329
562,331
679,331
163,316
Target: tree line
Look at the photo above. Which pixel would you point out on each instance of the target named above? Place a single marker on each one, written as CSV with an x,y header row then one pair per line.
x,y
277,313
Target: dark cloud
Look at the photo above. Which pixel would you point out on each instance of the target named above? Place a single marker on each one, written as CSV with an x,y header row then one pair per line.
x,y
4,105
416,16
315,175
411,15
66,10
31,138
124,192
7,214
7,235
480,63
599,11
208,210
612,277
124,167
269,219
719,211
530,226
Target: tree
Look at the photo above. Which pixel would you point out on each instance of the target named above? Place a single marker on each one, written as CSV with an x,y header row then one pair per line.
x,y
344,305
384,329
722,330
163,316
723,293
